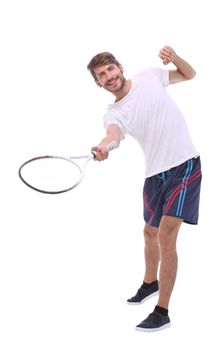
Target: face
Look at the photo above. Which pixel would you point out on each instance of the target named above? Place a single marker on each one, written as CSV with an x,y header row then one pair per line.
x,y
110,77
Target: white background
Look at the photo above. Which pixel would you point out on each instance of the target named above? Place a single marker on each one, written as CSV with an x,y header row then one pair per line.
x,y
69,262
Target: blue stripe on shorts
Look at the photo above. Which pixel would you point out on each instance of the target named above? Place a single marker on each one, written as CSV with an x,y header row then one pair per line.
x,y
175,192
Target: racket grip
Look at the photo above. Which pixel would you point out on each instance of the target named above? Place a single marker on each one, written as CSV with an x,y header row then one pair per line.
x,y
93,154
112,145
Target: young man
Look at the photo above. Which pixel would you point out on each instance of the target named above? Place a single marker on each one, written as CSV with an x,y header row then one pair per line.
x,y
143,109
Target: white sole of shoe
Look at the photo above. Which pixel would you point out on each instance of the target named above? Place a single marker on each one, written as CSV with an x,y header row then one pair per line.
x,y
142,301
167,325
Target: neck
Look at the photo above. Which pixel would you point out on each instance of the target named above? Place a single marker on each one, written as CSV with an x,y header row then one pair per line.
x,y
124,90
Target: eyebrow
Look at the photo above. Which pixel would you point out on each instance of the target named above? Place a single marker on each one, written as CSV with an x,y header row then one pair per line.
x,y
110,66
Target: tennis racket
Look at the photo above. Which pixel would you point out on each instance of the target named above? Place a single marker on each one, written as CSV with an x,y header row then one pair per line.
x,y
54,174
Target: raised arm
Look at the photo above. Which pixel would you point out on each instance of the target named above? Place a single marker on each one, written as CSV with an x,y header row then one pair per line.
x,y
109,142
184,71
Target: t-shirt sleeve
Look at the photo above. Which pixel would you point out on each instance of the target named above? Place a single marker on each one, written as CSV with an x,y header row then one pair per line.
x,y
162,74
108,120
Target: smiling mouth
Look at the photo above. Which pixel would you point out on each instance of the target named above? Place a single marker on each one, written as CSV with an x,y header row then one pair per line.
x,y
112,82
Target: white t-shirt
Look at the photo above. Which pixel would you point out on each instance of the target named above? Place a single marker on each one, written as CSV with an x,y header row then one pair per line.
x,y
149,114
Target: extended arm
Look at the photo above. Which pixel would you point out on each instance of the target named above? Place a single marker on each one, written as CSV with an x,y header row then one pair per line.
x,y
109,142
184,71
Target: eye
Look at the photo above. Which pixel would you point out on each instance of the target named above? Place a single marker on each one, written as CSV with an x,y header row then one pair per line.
x,y
101,75
111,68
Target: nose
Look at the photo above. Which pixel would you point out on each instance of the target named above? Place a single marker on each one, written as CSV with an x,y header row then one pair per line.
x,y
108,75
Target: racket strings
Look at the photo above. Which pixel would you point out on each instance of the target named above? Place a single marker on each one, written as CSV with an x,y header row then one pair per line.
x,y
51,175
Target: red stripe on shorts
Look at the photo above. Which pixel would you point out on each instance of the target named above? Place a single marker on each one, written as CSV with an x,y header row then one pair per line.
x,y
151,212
180,188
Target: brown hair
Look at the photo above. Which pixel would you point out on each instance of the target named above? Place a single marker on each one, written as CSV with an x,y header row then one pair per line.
x,y
101,59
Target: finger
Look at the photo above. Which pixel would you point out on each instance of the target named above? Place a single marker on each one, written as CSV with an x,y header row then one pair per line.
x,y
166,58
103,150
167,61
167,49
100,156
94,149
164,54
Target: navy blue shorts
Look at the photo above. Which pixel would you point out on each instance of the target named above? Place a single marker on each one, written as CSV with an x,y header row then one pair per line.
x,y
175,192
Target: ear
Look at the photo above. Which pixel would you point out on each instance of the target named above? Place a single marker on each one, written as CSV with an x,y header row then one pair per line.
x,y
98,83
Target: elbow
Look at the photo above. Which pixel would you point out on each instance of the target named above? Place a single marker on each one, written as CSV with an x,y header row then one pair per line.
x,y
192,74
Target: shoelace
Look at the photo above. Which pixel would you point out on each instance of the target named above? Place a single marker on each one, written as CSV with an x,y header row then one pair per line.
x,y
140,292
154,317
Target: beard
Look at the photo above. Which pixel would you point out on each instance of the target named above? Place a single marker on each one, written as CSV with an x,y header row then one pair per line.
x,y
115,84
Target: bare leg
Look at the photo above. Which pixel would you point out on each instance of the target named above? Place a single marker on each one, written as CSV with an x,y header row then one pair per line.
x,y
151,253
167,237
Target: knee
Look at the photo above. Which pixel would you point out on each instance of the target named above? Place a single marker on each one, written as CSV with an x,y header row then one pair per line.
x,y
167,238
168,231
164,238
150,233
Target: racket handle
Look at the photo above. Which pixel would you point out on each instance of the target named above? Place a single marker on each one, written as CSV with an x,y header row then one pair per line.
x,y
112,145
93,153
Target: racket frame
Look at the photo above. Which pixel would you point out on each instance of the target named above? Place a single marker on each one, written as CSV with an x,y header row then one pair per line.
x,y
70,159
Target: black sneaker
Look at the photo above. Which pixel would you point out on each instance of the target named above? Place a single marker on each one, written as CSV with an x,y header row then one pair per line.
x,y
154,322
144,293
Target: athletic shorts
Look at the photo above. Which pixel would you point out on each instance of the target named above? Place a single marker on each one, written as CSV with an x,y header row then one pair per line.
x,y
175,192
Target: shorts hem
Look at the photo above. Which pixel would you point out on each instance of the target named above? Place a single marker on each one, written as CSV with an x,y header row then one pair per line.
x,y
186,221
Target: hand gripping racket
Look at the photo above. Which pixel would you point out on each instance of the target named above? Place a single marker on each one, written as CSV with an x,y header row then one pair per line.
x,y
54,174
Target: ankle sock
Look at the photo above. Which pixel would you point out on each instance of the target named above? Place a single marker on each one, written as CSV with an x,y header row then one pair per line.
x,y
161,310
149,285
